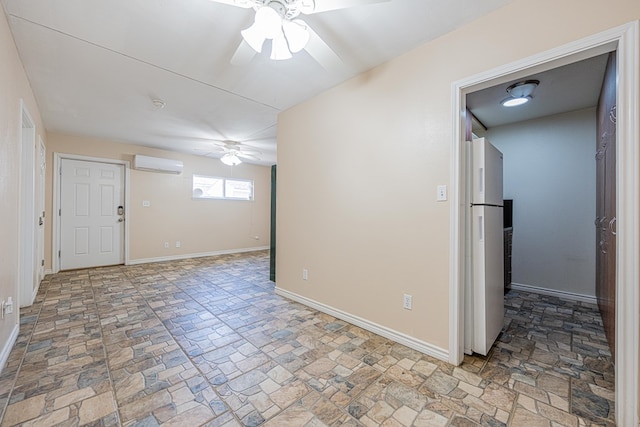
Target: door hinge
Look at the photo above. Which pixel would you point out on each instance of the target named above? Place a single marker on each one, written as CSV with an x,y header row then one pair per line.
x,y
59,252
42,263
60,170
59,212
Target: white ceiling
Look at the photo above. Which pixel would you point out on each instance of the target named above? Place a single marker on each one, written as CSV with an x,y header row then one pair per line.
x,y
568,88
96,65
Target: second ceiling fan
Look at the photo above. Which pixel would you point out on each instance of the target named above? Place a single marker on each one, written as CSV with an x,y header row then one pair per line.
x,y
277,20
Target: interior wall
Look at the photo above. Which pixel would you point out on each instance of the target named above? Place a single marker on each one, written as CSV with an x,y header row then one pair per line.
x,y
203,226
14,86
550,173
359,166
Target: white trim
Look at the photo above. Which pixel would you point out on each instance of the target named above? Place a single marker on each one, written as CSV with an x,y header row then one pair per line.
x,y
572,296
40,208
457,277
625,39
198,255
55,218
628,228
27,265
6,350
399,337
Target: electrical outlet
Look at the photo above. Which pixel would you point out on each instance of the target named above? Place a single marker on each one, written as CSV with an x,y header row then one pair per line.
x,y
441,193
2,309
407,301
9,306
166,245
178,244
256,237
305,274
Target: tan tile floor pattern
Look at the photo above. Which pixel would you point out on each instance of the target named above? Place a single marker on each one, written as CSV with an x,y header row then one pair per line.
x,y
206,342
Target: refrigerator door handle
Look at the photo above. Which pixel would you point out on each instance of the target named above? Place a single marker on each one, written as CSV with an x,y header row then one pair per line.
x,y
480,228
480,180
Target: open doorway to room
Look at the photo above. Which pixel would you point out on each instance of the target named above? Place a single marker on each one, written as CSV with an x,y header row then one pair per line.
x,y
624,41
551,317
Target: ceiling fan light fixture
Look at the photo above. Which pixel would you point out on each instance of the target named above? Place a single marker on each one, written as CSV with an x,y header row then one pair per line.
x,y
268,21
267,25
296,33
280,49
254,37
230,159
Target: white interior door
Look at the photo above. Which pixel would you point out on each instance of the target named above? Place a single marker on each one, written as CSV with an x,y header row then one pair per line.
x,y
91,214
42,162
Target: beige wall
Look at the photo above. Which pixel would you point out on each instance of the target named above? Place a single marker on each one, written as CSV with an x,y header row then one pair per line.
x,y
201,226
13,87
358,167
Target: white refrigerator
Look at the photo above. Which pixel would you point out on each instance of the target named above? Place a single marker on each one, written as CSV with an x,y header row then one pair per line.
x,y
487,247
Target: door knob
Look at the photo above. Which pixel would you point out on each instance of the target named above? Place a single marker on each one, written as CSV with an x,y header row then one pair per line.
x,y
120,219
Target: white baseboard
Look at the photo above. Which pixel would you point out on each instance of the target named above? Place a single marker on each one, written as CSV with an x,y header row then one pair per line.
x,y
197,255
554,293
411,342
6,350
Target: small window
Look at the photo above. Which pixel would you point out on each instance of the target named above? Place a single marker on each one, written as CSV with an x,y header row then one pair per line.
x,y
209,187
238,189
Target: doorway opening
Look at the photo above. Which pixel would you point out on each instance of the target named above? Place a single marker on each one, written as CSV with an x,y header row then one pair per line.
x,y
623,40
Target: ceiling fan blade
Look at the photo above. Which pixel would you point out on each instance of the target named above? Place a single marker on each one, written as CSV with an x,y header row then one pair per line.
x,y
235,146
247,156
239,3
217,150
243,55
250,152
317,6
322,53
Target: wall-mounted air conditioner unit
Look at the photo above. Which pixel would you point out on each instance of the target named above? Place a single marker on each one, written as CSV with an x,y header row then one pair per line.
x,y
156,164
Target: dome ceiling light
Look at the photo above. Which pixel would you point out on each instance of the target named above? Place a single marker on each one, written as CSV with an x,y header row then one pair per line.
x,y
520,93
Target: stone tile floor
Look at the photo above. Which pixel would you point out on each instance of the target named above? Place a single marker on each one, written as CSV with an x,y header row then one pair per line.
x,y
206,342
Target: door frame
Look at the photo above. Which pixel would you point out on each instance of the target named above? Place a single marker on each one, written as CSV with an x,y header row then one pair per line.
x,y
57,182
26,223
625,40
41,183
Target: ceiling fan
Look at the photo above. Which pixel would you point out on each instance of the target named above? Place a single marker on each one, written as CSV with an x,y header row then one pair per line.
x,y
277,20
234,152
